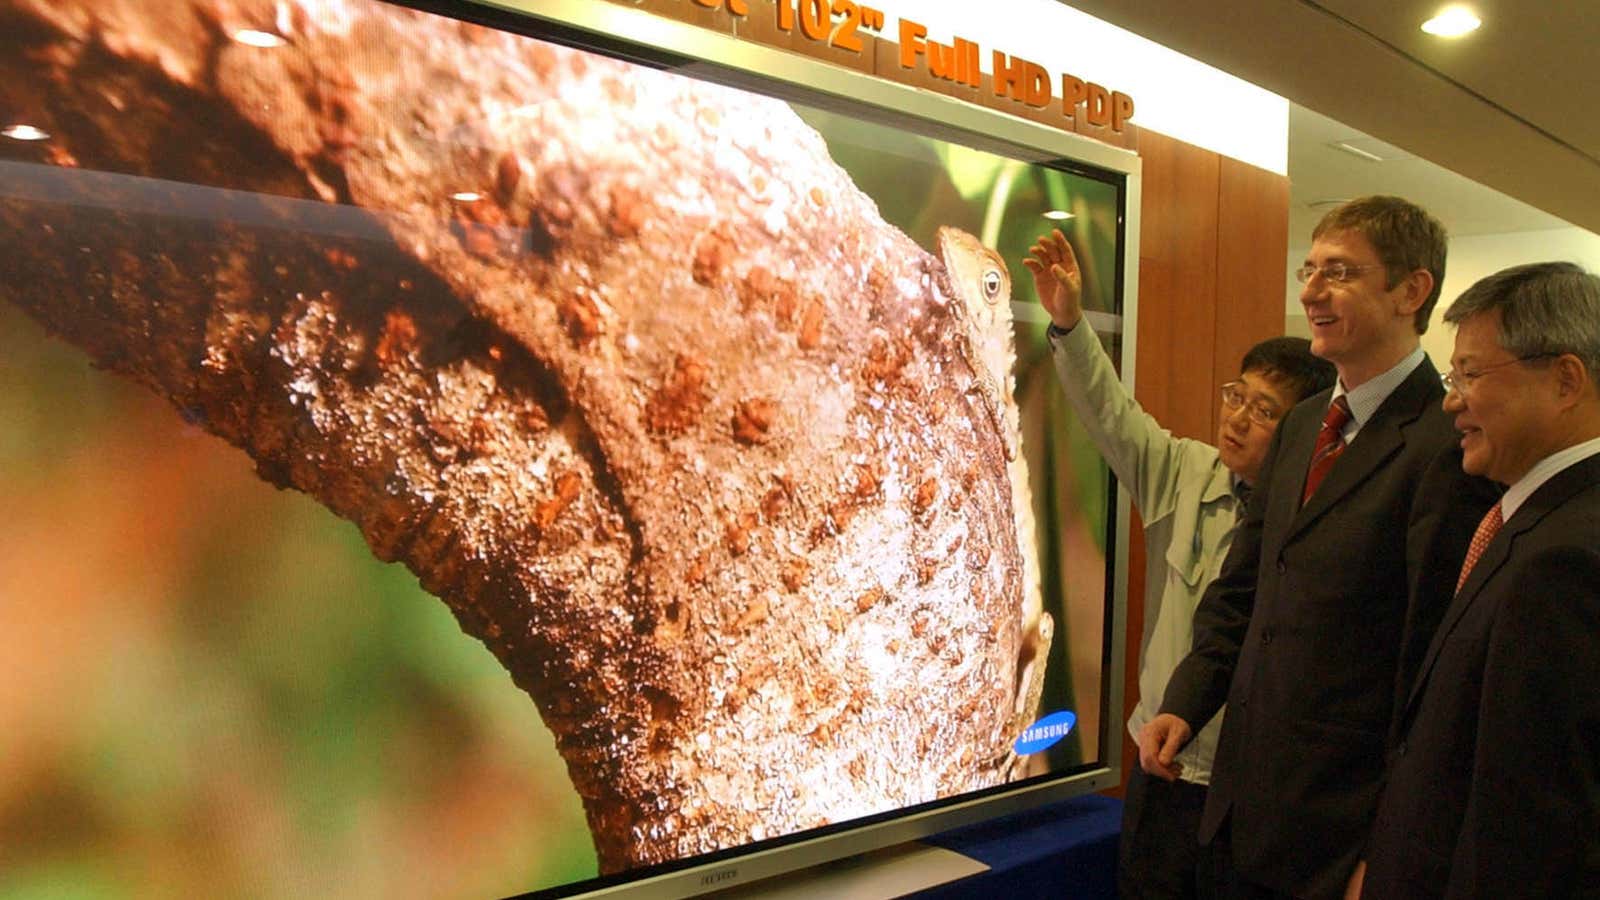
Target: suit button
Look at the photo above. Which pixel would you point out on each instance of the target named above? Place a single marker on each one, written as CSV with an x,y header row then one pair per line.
x,y
1266,635
1400,750
1282,567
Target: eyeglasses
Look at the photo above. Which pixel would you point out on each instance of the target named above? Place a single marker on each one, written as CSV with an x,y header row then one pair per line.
x,y
1337,273
1461,381
1261,412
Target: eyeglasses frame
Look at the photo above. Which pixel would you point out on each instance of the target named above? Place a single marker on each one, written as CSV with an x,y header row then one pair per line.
x,y
1305,273
1255,409
1461,381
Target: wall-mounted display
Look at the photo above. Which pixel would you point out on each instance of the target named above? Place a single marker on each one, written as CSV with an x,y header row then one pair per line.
x,y
717,419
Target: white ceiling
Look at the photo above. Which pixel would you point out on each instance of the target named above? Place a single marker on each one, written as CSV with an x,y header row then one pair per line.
x,y
1320,171
1514,106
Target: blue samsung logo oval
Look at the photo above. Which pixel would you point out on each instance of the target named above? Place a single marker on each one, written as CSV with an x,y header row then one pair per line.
x,y
1045,732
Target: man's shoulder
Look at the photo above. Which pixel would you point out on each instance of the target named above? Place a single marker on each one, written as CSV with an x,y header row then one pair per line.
x,y
1211,478
1418,399
1197,479
1553,562
1416,410
1549,577
1566,508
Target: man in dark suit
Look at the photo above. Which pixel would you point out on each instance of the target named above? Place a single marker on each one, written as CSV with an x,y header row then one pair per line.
x,y
1302,633
1494,786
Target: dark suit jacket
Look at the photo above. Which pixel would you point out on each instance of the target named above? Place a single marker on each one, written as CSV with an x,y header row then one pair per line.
x,y
1494,788
1303,632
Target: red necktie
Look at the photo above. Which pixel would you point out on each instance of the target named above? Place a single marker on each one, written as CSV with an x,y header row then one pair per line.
x,y
1480,540
1330,443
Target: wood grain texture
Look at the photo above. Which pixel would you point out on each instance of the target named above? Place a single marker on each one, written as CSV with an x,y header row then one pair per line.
x,y
1252,255
1178,293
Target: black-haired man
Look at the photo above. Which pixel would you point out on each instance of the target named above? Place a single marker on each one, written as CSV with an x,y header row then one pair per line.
x,y
1189,495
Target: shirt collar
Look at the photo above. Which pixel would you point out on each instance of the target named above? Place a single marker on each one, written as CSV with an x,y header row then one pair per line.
x,y
1542,471
1365,399
1219,485
1240,489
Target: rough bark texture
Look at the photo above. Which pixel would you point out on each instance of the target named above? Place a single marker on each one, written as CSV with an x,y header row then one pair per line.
x,y
670,418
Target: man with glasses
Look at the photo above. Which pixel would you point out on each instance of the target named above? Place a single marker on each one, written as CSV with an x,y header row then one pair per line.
x,y
1189,495
1307,633
1494,785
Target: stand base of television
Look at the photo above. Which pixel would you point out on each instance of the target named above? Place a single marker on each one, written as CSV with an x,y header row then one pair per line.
x,y
1066,849
881,874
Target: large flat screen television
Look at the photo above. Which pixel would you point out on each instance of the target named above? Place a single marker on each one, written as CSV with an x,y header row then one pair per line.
x,y
454,451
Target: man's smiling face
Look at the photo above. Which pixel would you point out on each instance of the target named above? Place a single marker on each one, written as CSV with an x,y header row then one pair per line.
x,y
1356,324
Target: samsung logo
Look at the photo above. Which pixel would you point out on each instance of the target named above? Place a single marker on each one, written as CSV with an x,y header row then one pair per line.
x,y
1044,732
719,877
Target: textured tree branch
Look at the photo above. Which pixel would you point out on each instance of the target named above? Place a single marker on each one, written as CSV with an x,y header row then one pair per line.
x,y
671,418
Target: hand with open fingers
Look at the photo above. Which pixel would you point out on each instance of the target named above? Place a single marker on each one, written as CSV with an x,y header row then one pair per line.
x,y
1159,742
1057,278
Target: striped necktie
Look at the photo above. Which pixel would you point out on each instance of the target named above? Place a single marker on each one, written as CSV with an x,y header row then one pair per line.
x,y
1330,443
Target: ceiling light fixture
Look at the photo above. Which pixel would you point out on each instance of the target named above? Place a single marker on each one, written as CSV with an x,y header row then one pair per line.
x,y
1452,22
266,40
1353,150
25,133
467,196
1057,215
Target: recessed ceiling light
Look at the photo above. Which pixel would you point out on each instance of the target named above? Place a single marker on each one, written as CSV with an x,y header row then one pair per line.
x,y
1452,21
1058,214
25,133
264,39
1353,150
467,196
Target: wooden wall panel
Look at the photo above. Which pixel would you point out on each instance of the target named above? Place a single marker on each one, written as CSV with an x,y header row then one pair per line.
x,y
1213,235
1177,282
1252,259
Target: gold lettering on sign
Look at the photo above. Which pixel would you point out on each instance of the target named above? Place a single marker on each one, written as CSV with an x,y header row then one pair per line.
x,y
846,32
1021,80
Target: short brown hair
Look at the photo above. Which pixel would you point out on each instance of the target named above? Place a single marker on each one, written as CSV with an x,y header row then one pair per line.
x,y
1406,237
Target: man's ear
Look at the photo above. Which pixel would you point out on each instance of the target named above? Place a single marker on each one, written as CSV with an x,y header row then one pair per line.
x,y
1416,288
1572,378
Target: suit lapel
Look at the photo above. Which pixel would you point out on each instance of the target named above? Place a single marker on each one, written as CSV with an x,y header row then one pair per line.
x,y
1299,439
1550,495
1379,439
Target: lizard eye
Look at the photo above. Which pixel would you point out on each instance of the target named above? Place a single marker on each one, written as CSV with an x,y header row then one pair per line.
x,y
991,285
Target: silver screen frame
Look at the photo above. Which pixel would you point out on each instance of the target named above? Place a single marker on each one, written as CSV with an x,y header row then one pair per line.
x,y
724,59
